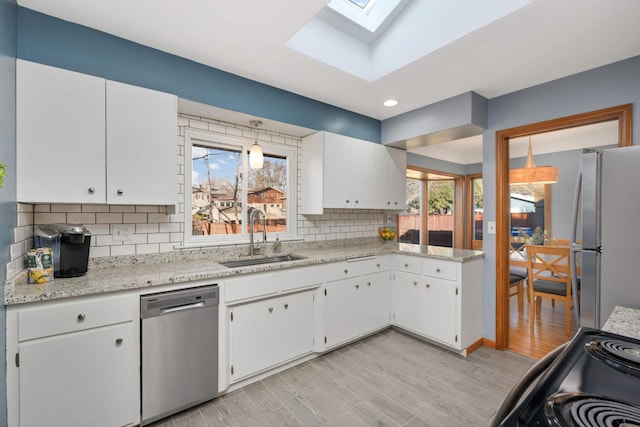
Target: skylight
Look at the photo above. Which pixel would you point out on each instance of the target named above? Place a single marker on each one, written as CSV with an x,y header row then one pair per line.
x,y
372,38
360,3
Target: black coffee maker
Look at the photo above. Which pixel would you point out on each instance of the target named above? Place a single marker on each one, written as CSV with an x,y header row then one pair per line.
x,y
70,244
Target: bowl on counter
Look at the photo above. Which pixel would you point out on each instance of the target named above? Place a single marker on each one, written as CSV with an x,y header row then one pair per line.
x,y
387,233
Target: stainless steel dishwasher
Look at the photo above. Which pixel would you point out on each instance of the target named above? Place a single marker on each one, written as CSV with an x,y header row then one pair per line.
x,y
179,350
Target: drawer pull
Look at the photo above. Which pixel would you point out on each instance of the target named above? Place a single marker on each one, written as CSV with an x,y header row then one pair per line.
x,y
428,285
346,271
270,309
81,317
406,265
437,270
286,306
91,190
120,192
357,286
368,283
378,265
119,341
415,283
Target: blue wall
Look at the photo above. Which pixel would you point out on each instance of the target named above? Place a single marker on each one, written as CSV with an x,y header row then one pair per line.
x,y
8,11
602,87
51,41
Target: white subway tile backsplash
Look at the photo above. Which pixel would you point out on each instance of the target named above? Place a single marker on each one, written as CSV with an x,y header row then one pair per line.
x,y
147,209
108,218
147,228
159,238
123,250
47,218
122,208
41,208
95,208
66,208
100,251
152,248
159,217
81,218
137,218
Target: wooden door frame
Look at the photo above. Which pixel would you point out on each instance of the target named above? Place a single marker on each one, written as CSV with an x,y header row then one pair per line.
x,y
469,208
622,113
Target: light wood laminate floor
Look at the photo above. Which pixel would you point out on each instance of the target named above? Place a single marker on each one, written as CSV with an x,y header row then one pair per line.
x,y
547,334
388,379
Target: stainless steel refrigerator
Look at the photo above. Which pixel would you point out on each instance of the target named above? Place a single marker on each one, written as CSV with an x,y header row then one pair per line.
x,y
606,234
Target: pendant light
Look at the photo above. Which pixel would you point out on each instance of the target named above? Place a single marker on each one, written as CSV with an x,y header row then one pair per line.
x,y
532,174
256,158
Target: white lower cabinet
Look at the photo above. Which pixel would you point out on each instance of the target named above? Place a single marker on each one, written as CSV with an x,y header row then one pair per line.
x,y
439,311
376,301
269,332
406,301
78,379
357,305
74,363
440,300
343,311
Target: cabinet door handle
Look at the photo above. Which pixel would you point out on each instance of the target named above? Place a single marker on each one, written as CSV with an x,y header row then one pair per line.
x,y
357,286
119,341
388,203
395,203
356,202
428,285
91,190
120,192
406,265
415,283
378,265
286,306
347,200
81,317
346,271
368,283
270,309
437,270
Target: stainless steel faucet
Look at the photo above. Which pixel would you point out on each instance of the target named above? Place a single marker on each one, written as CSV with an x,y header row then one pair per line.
x,y
252,218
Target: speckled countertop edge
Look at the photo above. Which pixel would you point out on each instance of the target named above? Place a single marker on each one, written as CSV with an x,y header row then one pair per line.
x,y
173,268
624,321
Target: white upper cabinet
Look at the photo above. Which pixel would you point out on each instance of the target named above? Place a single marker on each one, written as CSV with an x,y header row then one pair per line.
x,y
343,172
83,139
142,165
60,135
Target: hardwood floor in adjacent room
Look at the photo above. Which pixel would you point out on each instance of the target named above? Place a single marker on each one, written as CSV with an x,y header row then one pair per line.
x,y
548,332
388,379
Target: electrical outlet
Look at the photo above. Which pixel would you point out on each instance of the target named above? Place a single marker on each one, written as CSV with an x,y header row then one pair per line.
x,y
121,233
491,227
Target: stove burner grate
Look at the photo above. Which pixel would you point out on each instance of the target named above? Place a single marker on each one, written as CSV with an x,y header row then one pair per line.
x,y
622,355
583,410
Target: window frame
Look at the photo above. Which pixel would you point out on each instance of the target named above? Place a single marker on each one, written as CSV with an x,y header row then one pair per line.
x,y
202,138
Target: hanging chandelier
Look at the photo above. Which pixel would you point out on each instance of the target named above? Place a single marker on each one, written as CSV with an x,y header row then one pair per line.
x,y
532,174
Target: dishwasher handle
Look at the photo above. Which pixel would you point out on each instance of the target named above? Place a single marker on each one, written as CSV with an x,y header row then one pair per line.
x,y
182,308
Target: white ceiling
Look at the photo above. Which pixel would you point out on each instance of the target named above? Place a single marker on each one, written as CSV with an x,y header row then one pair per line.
x,y
542,41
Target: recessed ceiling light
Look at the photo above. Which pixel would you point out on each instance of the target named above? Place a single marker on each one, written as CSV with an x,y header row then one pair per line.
x,y
390,103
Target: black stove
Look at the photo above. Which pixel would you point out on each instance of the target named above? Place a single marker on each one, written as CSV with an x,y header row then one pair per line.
x,y
595,381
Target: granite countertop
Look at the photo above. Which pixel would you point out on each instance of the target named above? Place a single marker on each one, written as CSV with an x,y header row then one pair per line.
x,y
624,321
122,273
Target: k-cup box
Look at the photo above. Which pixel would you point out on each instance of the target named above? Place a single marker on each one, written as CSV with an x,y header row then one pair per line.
x,y
40,265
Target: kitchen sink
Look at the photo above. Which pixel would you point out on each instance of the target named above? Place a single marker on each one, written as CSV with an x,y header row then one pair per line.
x,y
264,260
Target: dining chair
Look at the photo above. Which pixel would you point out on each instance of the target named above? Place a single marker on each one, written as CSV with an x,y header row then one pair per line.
x,y
549,277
